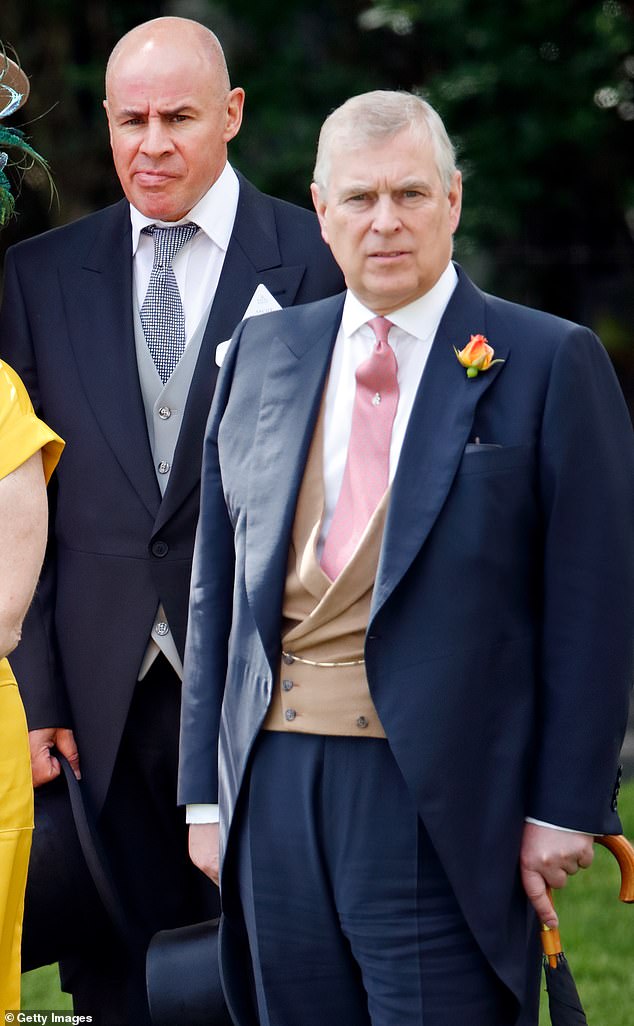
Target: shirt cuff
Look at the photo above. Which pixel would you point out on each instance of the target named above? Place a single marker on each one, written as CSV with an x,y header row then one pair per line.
x,y
202,814
553,826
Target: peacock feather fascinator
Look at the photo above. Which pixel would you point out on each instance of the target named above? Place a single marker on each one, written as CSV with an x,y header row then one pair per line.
x,y
14,90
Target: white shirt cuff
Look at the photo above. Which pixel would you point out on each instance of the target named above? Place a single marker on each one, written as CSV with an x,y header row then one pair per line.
x,y
553,826
202,813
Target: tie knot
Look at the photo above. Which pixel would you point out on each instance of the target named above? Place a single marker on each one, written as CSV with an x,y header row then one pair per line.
x,y
168,241
381,327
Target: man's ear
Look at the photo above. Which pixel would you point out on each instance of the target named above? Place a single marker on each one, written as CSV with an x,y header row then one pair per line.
x,y
235,106
320,205
455,201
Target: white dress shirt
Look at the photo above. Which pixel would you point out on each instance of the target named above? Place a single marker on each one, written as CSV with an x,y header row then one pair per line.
x,y
411,338
197,268
197,265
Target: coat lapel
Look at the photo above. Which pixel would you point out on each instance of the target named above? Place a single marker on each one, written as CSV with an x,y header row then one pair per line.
x,y
98,294
436,436
253,258
291,395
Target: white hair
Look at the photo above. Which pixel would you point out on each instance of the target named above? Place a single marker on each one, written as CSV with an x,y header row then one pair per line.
x,y
378,115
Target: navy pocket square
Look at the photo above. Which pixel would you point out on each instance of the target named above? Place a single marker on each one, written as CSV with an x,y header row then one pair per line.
x,y
481,446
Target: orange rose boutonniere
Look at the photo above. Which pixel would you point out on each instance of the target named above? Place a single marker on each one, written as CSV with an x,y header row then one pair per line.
x,y
476,356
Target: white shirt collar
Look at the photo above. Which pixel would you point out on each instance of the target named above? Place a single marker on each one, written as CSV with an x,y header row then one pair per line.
x,y
214,213
419,318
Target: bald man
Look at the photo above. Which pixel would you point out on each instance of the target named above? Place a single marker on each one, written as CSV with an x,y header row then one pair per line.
x,y
117,324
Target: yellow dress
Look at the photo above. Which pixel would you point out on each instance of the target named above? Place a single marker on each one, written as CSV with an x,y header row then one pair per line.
x,y
21,435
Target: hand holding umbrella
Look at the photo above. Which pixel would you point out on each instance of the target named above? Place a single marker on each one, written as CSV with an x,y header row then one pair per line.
x,y
563,1000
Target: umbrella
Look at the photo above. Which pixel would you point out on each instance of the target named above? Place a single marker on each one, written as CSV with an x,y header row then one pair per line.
x,y
563,1000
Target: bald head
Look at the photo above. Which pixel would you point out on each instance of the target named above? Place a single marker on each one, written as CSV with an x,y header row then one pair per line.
x,y
144,41
171,112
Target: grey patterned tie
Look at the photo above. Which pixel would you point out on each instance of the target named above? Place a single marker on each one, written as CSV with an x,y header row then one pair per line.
x,y
162,314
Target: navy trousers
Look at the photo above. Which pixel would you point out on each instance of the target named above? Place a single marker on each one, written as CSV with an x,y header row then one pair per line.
x,y
348,913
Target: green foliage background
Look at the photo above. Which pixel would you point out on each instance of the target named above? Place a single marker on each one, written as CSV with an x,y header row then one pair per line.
x,y
538,95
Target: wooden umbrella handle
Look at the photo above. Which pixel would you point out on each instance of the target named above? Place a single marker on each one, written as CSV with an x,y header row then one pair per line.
x,y
551,939
623,852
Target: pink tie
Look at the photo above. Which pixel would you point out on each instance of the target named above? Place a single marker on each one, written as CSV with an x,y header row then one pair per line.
x,y
366,474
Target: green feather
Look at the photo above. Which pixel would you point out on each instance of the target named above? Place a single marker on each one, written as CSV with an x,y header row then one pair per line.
x,y
14,141
14,138
7,202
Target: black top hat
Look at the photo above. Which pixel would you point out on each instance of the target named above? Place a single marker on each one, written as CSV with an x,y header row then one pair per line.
x,y
71,899
183,977
70,893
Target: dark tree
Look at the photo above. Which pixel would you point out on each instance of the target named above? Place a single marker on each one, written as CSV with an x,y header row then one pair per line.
x,y
537,94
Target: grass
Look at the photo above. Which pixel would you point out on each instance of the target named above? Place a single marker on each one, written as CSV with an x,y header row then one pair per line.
x,y
41,991
597,932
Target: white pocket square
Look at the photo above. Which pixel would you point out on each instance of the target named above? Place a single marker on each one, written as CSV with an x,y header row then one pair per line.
x,y
261,302
221,351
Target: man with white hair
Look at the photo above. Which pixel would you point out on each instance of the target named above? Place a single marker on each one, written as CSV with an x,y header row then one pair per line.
x,y
409,650
115,323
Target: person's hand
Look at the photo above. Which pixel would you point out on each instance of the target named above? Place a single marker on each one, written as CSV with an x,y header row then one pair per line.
x,y
204,849
547,858
44,765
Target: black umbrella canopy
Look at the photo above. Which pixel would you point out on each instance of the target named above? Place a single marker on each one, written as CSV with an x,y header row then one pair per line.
x,y
564,1004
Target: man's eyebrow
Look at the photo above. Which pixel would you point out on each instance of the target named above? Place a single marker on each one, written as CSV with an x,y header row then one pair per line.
x,y
355,187
182,108
134,112
405,185
413,183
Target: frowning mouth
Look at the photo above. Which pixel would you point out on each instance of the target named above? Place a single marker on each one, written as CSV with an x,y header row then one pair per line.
x,y
152,177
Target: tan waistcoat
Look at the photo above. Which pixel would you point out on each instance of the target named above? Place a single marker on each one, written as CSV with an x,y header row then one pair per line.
x,y
325,622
